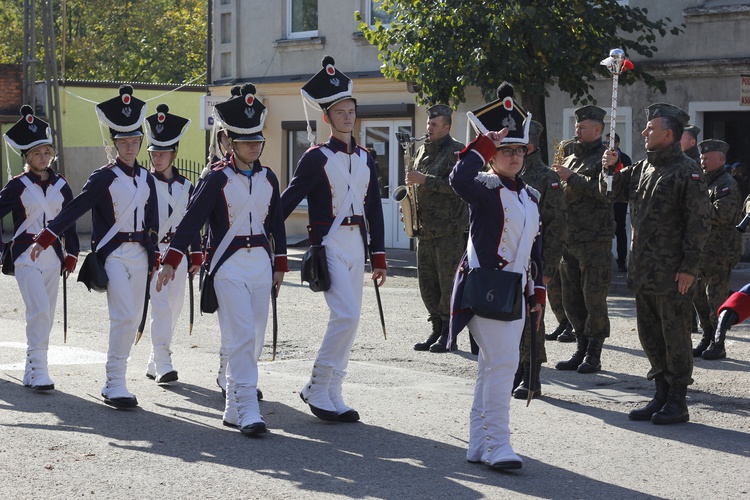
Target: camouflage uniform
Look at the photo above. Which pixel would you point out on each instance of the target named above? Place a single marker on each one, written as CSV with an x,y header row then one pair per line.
x,y
670,222
586,269
552,210
694,154
722,250
443,219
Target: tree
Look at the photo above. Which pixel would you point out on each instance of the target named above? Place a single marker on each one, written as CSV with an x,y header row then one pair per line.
x,y
160,41
446,45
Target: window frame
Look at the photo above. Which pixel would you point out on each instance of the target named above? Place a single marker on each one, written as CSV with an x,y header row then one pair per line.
x,y
290,16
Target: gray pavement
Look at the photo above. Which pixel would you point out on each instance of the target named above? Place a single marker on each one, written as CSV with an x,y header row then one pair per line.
x,y
576,441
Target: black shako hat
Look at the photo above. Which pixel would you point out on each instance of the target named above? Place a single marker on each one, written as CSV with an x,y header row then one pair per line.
x,y
501,113
328,86
164,129
123,114
28,132
243,116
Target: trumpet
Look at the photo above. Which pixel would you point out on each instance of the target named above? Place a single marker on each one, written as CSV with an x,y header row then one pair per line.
x,y
405,195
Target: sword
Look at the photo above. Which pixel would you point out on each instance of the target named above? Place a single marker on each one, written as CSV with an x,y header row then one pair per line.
x,y
380,303
274,293
192,303
532,351
65,306
147,296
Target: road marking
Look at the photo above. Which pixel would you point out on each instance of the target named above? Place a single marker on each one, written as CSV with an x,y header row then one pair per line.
x,y
57,355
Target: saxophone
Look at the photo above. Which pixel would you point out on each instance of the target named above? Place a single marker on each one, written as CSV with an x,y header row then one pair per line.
x,y
559,152
405,195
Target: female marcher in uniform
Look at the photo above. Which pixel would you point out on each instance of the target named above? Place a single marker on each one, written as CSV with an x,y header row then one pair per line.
x,y
122,199
173,190
503,234
340,181
35,197
240,200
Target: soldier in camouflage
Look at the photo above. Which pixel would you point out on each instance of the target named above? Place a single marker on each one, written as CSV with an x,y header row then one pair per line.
x,y
443,219
670,219
552,211
723,246
689,143
586,269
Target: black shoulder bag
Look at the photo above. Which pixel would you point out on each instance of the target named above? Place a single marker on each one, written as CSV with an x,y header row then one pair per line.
x,y
493,294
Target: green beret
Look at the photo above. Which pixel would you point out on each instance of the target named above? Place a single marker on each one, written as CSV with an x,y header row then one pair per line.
x,y
590,112
439,110
664,110
713,145
692,130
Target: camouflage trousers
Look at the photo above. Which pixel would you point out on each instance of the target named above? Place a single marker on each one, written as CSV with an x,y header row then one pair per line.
x,y
541,355
555,299
437,261
664,331
586,272
709,293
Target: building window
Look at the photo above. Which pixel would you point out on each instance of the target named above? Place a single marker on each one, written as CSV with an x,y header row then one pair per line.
x,y
375,13
297,143
302,18
226,28
226,64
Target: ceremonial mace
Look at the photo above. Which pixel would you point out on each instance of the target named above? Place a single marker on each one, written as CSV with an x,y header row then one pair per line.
x,y
616,63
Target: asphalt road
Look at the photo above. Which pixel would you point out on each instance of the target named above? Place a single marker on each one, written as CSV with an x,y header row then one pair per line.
x,y
576,441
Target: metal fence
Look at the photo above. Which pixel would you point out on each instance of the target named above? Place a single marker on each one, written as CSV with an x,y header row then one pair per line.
x,y
190,168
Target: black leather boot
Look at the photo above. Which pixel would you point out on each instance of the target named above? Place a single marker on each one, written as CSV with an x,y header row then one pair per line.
x,y
442,341
703,344
675,409
656,404
437,326
567,335
715,349
557,331
522,391
592,362
572,364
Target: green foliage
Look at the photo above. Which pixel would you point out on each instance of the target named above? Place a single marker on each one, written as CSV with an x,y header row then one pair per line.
x,y
445,45
160,41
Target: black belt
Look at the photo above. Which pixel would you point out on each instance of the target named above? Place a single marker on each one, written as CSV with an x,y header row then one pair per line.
x,y
134,237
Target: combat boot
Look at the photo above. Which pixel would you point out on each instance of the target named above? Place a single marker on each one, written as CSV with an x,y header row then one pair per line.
x,y
437,327
564,325
442,343
522,391
702,345
656,404
577,358
715,349
567,335
592,362
675,409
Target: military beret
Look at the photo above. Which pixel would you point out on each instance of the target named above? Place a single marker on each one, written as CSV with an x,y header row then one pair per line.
x,y
590,112
439,110
536,128
713,145
692,130
664,110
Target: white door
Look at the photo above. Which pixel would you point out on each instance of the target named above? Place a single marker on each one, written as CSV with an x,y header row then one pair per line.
x,y
380,135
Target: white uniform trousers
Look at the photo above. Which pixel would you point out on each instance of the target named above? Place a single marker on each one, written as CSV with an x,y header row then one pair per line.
x,y
243,289
346,263
38,282
166,307
489,436
126,268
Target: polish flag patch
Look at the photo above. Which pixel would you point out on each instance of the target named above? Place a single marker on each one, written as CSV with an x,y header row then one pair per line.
x,y
555,185
695,177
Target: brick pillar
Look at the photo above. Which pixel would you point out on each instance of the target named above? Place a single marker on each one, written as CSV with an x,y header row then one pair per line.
x,y
11,88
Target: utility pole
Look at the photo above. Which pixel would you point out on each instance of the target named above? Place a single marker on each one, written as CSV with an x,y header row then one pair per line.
x,y
50,70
